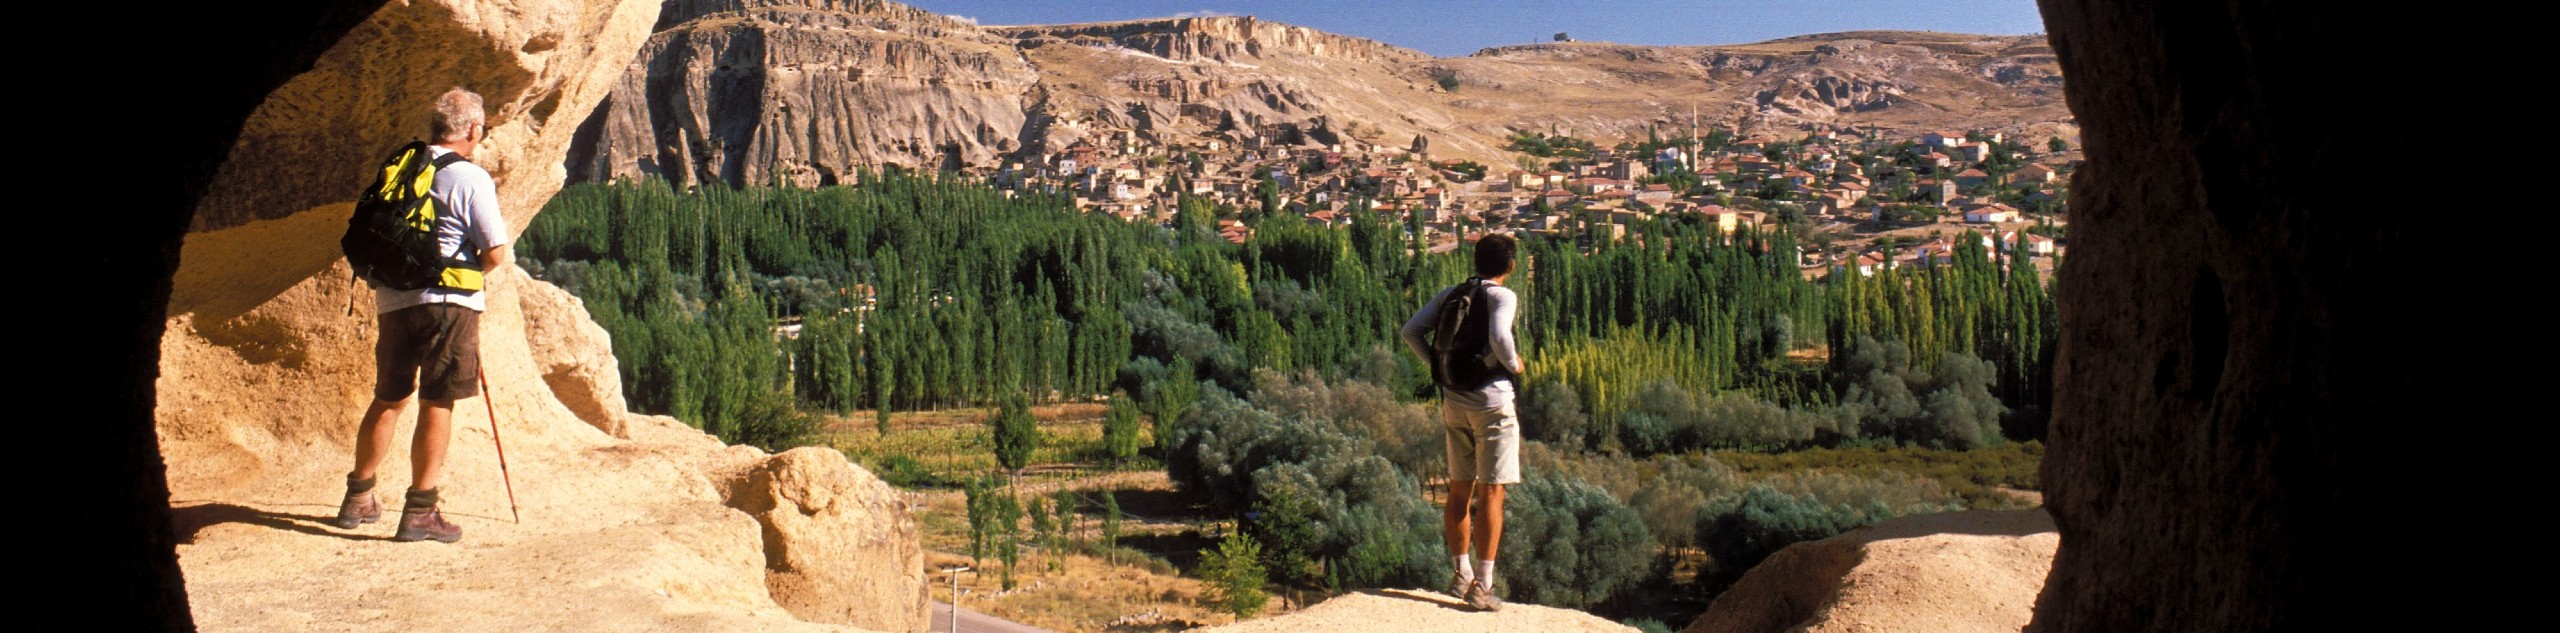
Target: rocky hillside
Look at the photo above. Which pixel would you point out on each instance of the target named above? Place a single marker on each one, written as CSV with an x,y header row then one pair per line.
x,y
807,90
746,91
1955,572
629,522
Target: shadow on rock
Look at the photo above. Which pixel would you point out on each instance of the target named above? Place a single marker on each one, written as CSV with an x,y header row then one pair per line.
x,y
186,522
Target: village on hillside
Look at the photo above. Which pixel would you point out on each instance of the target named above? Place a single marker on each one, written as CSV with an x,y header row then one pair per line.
x,y
1862,197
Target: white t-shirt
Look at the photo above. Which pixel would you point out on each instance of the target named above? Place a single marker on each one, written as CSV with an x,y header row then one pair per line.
x,y
471,224
1504,352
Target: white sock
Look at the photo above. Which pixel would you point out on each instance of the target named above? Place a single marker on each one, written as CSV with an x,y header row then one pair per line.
x,y
1484,573
1466,567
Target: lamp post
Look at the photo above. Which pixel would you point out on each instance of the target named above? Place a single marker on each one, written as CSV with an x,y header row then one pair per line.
x,y
954,572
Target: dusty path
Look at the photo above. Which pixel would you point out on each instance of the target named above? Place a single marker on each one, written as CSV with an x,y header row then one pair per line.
x,y
1416,611
603,546
975,622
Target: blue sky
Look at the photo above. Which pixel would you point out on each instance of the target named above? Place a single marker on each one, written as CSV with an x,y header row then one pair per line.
x,y
1452,27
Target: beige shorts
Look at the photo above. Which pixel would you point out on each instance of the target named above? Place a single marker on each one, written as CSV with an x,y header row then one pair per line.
x,y
1483,445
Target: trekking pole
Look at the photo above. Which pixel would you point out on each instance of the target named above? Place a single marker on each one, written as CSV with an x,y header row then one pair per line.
x,y
502,445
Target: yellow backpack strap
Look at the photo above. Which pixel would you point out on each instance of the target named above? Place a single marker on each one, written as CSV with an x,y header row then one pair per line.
x,y
457,274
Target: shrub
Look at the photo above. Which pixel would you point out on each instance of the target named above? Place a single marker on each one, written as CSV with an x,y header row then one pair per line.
x,y
1006,510
1235,576
1111,525
982,519
1284,526
904,471
1016,434
1741,531
1644,434
1044,529
770,421
1551,412
1947,404
1664,418
1567,543
1648,625
1974,476
1406,434
1120,428
1316,461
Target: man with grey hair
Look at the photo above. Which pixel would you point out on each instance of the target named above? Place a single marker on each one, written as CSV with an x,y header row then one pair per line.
x,y
429,341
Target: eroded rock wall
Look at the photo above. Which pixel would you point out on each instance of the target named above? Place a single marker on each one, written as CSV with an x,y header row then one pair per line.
x,y
1225,39
2243,332
754,92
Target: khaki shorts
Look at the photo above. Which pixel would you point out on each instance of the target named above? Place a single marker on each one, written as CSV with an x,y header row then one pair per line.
x,y
432,350
1483,445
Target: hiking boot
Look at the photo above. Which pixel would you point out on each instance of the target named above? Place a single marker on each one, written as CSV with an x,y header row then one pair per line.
x,y
421,521
360,507
1462,587
1483,599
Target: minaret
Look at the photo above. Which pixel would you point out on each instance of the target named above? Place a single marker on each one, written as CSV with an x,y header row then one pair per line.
x,y
1689,154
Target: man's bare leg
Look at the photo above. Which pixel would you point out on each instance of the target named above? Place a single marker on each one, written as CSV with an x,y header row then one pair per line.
x,y
426,451
1488,541
1488,521
373,442
373,436
1453,532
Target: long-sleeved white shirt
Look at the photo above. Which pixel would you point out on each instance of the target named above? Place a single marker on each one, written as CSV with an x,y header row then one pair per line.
x,y
1504,352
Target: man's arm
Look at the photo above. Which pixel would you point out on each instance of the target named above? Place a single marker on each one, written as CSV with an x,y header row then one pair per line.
x,y
490,226
1421,323
495,258
1505,349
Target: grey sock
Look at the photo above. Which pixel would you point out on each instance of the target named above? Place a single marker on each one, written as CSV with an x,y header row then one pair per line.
x,y
358,486
422,499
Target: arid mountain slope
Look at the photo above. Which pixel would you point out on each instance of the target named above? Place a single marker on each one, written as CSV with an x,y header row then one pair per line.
x,y
751,90
630,522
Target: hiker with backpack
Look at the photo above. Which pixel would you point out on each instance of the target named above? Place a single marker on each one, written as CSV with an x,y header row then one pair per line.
x,y
425,234
1465,333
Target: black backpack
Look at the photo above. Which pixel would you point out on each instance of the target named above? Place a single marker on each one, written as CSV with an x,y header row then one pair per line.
x,y
1462,337
391,239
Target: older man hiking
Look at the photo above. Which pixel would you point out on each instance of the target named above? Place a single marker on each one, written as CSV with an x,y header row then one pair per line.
x,y
1465,333
429,342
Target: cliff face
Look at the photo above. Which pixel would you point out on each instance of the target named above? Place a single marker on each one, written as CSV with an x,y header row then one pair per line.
x,y
265,363
1226,39
806,92
2236,365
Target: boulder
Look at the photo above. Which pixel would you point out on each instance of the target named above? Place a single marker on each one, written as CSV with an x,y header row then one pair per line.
x,y
574,355
1959,572
839,545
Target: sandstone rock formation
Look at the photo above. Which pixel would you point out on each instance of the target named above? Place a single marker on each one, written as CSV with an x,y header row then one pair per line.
x,y
1415,611
1951,573
265,363
2237,364
839,542
809,91
575,356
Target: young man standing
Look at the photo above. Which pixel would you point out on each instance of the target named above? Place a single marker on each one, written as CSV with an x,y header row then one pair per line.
x,y
1479,422
430,337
